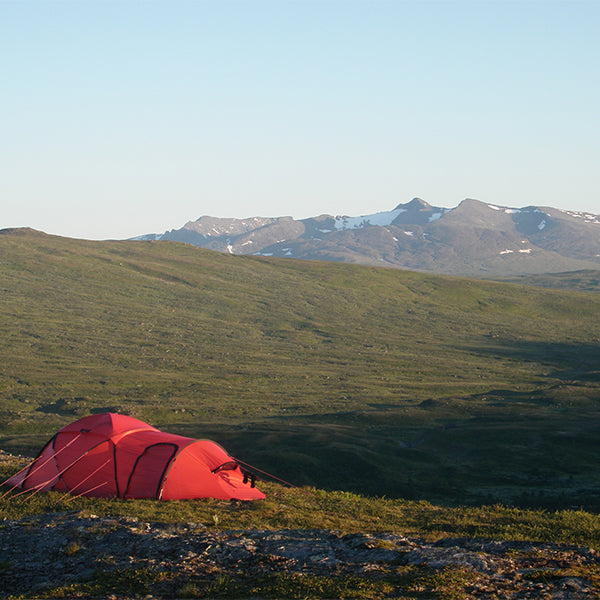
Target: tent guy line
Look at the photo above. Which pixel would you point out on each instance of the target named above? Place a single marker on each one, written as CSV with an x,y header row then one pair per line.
x,y
28,466
70,492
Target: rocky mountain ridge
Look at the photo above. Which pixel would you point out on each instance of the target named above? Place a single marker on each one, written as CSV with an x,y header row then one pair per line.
x,y
473,239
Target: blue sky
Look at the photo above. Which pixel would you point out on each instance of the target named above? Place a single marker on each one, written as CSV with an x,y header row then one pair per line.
x,y
123,118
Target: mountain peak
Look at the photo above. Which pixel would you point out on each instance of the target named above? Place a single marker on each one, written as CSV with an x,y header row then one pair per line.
x,y
415,204
474,239
472,203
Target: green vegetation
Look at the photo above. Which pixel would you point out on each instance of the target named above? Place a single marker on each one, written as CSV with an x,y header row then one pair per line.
x,y
128,582
377,381
403,582
411,583
587,280
310,508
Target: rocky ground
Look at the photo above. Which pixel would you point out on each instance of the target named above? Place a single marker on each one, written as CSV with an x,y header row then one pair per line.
x,y
44,552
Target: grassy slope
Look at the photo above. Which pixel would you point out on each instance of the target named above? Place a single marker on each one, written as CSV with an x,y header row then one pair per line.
x,y
344,377
307,508
310,508
585,280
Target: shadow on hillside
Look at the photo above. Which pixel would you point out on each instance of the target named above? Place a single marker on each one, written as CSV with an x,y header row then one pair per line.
x,y
569,362
523,455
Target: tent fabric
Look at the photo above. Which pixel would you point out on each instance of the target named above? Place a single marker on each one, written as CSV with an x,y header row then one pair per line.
x,y
111,455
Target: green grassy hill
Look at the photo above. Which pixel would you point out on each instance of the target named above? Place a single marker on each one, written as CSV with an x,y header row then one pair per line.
x,y
585,280
345,377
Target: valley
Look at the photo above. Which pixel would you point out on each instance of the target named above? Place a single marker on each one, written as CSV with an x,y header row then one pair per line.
x,y
376,381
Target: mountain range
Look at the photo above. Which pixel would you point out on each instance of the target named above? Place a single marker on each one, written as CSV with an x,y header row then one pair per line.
x,y
473,239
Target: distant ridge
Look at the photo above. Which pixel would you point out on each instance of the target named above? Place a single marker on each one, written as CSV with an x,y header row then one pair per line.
x,y
473,239
21,231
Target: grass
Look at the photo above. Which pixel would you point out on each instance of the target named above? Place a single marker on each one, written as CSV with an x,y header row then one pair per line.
x,y
584,280
403,582
127,582
311,508
376,381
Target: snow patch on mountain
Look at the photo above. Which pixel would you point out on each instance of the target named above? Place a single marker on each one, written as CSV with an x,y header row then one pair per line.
x,y
514,211
437,215
520,251
508,211
381,219
587,217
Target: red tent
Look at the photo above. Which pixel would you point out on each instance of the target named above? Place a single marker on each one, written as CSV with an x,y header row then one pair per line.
x,y
111,455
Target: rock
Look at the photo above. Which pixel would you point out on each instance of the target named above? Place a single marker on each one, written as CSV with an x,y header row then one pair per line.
x,y
48,551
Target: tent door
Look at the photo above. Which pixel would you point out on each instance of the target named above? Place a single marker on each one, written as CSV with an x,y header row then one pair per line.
x,y
148,471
